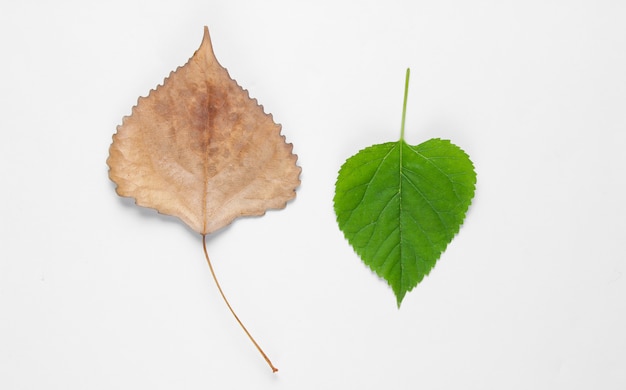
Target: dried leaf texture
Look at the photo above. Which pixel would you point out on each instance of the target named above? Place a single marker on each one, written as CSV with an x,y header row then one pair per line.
x,y
199,148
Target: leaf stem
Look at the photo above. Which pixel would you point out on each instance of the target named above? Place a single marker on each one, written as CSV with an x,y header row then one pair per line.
x,y
274,369
406,95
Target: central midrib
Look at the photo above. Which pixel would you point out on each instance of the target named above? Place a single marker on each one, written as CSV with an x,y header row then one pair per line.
x,y
207,131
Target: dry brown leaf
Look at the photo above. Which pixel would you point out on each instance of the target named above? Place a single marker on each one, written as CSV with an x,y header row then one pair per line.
x,y
199,148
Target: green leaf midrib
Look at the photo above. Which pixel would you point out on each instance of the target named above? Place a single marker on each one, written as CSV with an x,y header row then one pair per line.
x,y
401,144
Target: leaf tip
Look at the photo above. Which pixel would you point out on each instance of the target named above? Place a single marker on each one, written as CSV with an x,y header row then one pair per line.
x,y
206,37
206,48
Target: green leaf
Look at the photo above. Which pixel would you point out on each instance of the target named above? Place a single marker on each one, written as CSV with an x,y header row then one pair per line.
x,y
399,206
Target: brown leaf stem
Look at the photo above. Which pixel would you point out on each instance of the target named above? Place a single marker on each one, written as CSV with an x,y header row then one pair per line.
x,y
274,369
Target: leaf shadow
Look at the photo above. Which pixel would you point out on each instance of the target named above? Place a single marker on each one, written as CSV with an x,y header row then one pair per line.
x,y
150,214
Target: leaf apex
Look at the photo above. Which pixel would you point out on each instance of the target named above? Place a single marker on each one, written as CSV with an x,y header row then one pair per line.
x,y
399,299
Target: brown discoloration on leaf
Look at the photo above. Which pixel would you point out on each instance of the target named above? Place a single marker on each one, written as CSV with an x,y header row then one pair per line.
x,y
199,148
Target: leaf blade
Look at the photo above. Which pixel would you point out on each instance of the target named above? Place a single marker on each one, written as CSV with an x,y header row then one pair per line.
x,y
199,148
389,205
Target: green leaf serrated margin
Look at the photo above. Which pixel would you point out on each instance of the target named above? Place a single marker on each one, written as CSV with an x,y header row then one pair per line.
x,y
399,206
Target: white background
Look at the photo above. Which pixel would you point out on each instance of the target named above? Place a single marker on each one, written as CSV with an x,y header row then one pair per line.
x,y
97,293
